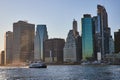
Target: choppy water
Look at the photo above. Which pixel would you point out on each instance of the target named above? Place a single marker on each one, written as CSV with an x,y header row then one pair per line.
x,y
62,72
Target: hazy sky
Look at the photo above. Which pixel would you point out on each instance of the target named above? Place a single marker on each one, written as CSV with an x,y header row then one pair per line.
x,y
56,14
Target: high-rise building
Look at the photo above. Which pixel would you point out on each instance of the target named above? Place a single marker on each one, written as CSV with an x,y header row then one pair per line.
x,y
96,44
75,32
41,36
8,47
87,37
72,49
53,50
117,41
103,30
23,40
2,57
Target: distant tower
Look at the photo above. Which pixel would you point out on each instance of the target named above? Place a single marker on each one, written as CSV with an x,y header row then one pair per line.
x,y
87,37
23,40
75,32
41,36
8,47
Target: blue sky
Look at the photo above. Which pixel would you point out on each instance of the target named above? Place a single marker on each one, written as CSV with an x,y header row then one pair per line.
x,y
56,14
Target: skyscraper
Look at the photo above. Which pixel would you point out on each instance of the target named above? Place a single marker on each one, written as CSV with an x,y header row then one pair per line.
x,y
72,48
87,37
96,42
41,36
8,47
70,53
23,40
117,41
103,30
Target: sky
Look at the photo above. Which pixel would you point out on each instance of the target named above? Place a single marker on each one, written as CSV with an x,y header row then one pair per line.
x,y
56,14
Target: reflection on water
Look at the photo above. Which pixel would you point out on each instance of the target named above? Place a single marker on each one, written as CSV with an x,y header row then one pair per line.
x,y
63,72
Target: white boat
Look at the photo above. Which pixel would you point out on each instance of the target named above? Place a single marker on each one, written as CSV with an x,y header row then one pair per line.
x,y
85,63
38,64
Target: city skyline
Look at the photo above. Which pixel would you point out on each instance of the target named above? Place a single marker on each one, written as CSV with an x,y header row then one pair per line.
x,y
57,15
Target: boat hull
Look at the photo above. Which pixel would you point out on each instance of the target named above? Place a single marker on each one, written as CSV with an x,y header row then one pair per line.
x,y
37,66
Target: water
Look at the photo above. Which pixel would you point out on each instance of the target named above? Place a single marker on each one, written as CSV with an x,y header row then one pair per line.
x,y
62,72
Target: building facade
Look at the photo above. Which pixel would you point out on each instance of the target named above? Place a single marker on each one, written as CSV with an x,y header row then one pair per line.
x,y
111,45
87,37
53,50
41,36
117,41
96,41
72,48
23,38
103,30
8,47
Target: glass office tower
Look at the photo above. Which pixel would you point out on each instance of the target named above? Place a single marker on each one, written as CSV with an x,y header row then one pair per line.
x,y
87,37
41,36
104,30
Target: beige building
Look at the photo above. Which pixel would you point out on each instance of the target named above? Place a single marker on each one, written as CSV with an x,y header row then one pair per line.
x,y
8,47
23,40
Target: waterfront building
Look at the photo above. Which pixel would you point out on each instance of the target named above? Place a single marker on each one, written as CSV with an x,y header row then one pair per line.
x,y
103,30
40,37
2,57
96,41
72,48
87,37
79,48
117,41
23,42
53,50
8,47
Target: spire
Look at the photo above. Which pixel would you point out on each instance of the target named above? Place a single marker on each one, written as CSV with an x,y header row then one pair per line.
x,y
75,32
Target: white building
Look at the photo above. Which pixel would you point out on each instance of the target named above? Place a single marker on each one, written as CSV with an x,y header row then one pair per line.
x,y
70,48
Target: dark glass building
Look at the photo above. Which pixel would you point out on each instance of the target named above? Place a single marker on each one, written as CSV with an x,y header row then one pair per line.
x,y
103,30
96,43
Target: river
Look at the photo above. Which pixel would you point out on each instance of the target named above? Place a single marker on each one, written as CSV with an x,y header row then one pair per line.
x,y
62,72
